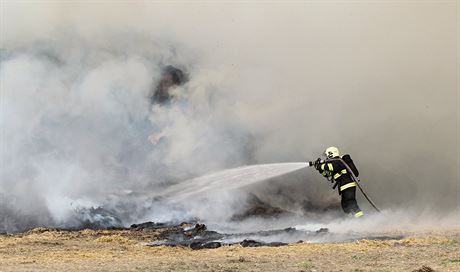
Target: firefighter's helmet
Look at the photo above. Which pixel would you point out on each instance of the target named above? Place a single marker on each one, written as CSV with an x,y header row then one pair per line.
x,y
332,152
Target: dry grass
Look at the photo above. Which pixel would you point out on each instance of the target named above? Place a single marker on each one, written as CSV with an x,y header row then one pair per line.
x,y
52,250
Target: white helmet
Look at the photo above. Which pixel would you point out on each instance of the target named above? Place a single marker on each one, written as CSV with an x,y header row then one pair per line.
x,y
331,152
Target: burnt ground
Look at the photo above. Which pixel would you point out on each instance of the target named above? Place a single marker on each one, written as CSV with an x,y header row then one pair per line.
x,y
128,250
191,246
198,236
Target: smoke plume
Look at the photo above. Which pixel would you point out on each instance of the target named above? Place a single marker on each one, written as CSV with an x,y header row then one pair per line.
x,y
272,82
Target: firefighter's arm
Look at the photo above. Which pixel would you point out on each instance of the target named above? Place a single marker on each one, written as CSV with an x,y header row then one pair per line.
x,y
324,173
332,168
319,166
328,166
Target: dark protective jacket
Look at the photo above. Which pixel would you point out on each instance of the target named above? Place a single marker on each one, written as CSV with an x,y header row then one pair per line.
x,y
339,173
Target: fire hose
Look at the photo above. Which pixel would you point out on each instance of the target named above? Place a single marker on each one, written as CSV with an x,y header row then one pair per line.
x,y
353,176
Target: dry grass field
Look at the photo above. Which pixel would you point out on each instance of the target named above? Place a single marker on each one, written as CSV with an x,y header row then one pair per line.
x,y
125,250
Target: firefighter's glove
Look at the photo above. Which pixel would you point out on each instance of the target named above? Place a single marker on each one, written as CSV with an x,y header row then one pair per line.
x,y
318,164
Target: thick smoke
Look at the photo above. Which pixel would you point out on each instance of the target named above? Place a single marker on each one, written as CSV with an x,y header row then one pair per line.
x,y
77,124
275,83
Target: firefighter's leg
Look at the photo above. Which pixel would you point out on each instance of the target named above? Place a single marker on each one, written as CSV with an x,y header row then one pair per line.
x,y
349,204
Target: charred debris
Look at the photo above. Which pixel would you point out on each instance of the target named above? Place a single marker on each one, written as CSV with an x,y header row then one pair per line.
x,y
196,235
192,234
199,237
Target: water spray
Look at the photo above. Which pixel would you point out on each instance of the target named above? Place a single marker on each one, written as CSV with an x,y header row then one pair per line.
x,y
353,176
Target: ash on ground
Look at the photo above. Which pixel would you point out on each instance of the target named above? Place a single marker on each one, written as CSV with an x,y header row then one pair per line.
x,y
97,218
198,236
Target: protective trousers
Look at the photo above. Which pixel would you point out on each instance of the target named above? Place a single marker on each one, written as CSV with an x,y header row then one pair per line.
x,y
349,204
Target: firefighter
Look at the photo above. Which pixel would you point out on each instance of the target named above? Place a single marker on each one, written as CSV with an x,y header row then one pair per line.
x,y
336,171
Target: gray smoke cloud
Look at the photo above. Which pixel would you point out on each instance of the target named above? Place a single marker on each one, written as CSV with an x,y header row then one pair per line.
x,y
268,83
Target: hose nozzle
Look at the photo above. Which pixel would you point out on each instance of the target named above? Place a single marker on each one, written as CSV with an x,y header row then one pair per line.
x,y
312,163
